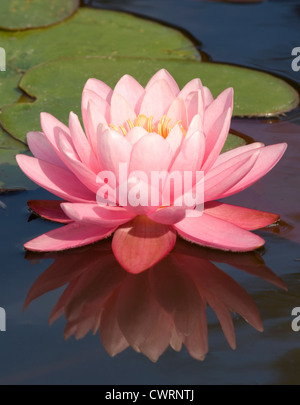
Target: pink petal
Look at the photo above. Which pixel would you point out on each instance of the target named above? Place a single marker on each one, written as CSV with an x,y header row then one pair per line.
x,y
58,181
177,113
168,215
226,175
131,91
190,87
216,233
196,125
269,156
175,138
216,126
164,75
42,149
67,237
226,156
94,118
102,105
83,173
195,105
142,157
100,88
49,209
113,149
135,134
95,214
157,100
138,195
81,144
245,218
121,110
141,243
52,127
208,98
191,153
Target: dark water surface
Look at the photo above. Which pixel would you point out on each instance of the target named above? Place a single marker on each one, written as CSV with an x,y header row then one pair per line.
x,y
256,35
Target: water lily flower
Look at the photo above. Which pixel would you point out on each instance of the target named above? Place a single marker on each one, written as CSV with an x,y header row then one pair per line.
x,y
159,128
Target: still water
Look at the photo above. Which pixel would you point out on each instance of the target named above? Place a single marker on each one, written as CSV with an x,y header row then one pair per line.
x,y
262,287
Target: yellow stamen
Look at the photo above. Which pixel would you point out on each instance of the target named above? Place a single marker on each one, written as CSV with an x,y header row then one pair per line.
x,y
130,124
114,127
123,130
162,128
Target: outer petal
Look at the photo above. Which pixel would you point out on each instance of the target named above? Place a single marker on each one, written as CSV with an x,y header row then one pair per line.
x,y
49,209
81,144
216,233
175,138
95,214
195,125
131,90
195,105
113,149
177,113
226,156
121,110
58,181
143,158
225,176
168,215
190,87
268,157
100,88
191,153
164,75
94,118
135,134
102,105
245,218
52,127
141,243
83,173
208,98
157,100
42,149
216,126
67,237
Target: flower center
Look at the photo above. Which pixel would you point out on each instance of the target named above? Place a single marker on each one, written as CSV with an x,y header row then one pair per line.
x,y
162,128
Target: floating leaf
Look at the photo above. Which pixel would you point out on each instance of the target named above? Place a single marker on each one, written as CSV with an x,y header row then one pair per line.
x,y
232,142
93,32
88,33
9,91
58,85
24,14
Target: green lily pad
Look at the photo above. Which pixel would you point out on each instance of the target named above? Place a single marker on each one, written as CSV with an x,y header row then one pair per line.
x,y
93,32
24,14
11,177
232,142
9,90
57,87
89,32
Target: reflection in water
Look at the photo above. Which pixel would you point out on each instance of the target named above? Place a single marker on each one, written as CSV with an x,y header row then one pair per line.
x,y
163,306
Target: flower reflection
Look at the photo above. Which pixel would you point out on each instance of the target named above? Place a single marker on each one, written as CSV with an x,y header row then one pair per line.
x,y
163,306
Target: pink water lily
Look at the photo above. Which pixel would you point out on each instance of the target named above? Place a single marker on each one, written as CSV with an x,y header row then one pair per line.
x,y
153,129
